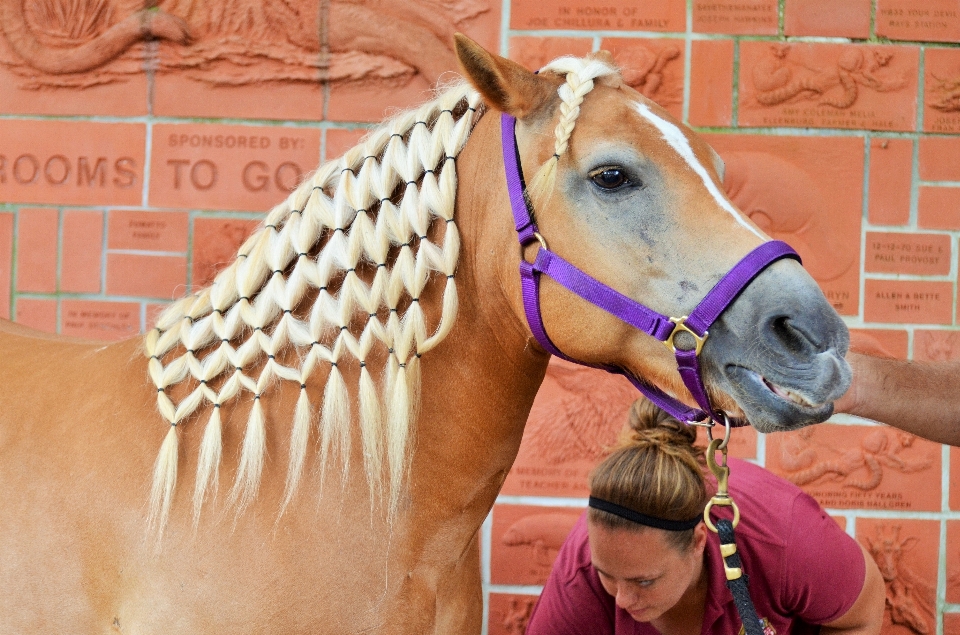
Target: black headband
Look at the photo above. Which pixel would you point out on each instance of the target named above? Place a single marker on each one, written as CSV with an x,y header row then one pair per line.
x,y
643,519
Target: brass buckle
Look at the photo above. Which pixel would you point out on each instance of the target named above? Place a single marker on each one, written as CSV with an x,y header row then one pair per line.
x,y
722,473
681,325
540,239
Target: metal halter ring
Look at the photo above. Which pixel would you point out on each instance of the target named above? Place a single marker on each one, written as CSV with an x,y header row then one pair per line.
x,y
681,325
726,431
540,239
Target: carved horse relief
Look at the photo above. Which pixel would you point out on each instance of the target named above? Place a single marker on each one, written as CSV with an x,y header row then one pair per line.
x,y
543,534
908,595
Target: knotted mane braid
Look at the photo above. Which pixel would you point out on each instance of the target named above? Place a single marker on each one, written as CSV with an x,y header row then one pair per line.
x,y
335,272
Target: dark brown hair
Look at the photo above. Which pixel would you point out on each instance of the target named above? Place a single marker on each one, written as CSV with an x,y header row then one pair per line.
x,y
654,469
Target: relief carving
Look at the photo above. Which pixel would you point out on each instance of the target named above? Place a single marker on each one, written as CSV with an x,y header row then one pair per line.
x,y
941,346
643,70
544,535
946,94
780,80
804,461
515,618
81,43
907,593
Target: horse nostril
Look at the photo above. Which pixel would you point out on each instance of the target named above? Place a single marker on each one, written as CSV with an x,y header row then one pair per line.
x,y
794,339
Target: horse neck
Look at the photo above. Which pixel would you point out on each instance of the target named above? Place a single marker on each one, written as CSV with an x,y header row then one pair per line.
x,y
479,385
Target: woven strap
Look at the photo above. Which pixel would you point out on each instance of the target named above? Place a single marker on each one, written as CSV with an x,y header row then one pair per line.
x,y
739,586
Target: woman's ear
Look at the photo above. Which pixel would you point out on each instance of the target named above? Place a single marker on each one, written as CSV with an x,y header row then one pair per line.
x,y
504,84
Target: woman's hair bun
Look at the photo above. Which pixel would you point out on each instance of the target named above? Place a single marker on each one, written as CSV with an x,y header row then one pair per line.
x,y
650,424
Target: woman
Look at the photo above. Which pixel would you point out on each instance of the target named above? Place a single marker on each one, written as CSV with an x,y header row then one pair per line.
x,y
640,561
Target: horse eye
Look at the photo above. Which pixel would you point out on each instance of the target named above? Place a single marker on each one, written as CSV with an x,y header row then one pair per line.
x,y
610,178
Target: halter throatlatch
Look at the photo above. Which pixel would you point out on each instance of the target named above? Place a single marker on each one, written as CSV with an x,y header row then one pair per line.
x,y
633,313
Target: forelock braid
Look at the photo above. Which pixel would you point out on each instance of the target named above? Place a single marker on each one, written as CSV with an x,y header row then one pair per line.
x,y
579,74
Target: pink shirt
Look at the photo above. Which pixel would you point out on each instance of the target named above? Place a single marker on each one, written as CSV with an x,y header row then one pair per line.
x,y
803,569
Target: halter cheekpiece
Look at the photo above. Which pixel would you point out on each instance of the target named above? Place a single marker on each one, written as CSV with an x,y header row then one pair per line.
x,y
660,326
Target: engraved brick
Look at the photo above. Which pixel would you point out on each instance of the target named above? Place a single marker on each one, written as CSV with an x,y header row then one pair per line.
x,y
916,254
859,467
524,541
71,162
564,438
37,313
146,276
938,207
758,17
820,85
908,302
228,167
628,15
215,245
81,251
6,263
906,551
850,18
953,563
891,174
711,83
339,140
508,613
939,159
148,231
879,342
99,320
941,97
936,345
536,52
37,250
808,192
928,21
654,67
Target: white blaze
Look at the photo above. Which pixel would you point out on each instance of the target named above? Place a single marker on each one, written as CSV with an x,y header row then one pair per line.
x,y
678,141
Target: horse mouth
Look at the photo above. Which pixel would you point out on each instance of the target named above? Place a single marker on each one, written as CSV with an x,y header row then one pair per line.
x,y
770,406
786,393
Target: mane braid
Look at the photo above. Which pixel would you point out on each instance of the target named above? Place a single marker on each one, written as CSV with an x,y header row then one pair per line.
x,y
334,274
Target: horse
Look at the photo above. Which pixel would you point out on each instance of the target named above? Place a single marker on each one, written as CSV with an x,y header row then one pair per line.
x,y
336,412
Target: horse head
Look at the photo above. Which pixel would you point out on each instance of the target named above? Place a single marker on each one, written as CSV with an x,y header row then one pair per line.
x,y
634,199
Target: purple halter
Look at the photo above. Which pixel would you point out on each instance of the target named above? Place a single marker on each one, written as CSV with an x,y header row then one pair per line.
x,y
633,313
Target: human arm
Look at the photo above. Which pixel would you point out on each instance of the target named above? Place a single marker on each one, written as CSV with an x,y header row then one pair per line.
x,y
865,617
918,397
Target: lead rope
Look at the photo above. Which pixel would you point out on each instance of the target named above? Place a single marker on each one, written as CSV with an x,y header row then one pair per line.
x,y
737,580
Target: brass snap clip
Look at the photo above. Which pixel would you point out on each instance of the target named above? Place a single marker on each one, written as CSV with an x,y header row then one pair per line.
x,y
681,325
721,471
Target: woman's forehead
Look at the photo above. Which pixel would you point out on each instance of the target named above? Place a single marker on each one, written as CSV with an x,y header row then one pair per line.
x,y
629,553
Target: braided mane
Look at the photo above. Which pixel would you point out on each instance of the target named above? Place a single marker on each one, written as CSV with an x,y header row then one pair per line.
x,y
334,274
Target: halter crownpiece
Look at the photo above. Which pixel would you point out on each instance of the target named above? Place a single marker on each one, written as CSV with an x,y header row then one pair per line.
x,y
660,326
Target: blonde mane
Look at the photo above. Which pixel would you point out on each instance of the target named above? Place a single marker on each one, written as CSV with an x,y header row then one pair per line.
x,y
385,210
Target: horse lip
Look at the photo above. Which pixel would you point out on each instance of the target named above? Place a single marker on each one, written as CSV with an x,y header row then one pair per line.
x,y
789,413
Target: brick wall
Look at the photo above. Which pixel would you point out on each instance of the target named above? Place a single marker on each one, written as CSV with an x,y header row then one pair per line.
x,y
130,181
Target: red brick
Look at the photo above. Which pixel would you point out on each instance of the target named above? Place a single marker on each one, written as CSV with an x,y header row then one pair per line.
x,y
26,90
71,162
907,553
148,231
908,302
711,83
577,414
940,159
37,250
941,99
891,175
215,245
743,441
841,520
953,564
808,192
81,251
936,346
850,18
773,77
927,21
939,207
153,312
536,52
879,342
909,253
859,467
627,15
525,539
339,140
6,263
951,623
37,313
98,320
365,87
652,67
955,479
736,18
508,614
146,276
212,166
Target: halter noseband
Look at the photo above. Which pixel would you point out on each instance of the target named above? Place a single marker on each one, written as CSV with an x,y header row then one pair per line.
x,y
633,313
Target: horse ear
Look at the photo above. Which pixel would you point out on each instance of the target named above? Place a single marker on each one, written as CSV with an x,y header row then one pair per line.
x,y
504,84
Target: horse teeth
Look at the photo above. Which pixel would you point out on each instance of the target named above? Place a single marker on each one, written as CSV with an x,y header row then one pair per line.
x,y
789,395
